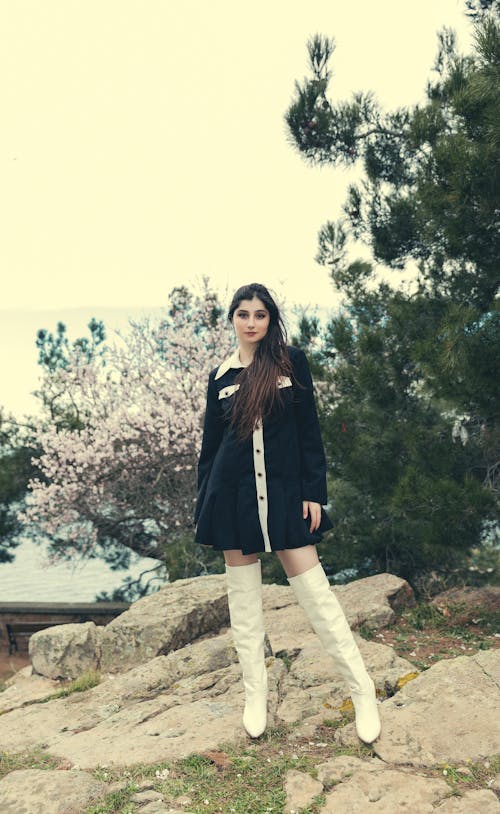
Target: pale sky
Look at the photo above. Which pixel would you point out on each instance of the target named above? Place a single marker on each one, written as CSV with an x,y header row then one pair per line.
x,y
143,143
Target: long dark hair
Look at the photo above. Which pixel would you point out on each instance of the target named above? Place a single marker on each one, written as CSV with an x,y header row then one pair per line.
x,y
258,393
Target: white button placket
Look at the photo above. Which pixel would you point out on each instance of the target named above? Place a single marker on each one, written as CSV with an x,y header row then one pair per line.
x,y
260,481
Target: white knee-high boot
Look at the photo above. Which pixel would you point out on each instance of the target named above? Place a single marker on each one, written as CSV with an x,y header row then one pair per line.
x,y
325,613
244,592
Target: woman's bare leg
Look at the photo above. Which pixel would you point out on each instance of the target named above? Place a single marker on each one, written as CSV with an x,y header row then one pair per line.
x,y
297,560
234,557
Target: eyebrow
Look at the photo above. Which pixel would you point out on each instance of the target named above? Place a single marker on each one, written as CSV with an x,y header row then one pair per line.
x,y
258,311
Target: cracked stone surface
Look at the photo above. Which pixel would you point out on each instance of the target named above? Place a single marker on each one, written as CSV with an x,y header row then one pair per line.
x,y
312,683
48,791
300,790
26,688
447,714
354,786
176,615
384,791
190,699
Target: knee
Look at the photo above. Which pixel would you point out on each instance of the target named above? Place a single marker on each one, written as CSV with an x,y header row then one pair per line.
x,y
297,560
234,557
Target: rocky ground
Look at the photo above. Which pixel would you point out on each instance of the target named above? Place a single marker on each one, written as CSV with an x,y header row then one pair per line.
x,y
152,722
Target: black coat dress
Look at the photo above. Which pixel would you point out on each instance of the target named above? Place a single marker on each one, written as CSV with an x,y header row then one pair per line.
x,y
250,492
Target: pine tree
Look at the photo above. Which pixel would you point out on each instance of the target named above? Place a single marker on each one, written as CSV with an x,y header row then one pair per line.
x,y
412,433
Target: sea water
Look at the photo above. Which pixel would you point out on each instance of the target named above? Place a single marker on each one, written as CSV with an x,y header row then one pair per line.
x,y
30,579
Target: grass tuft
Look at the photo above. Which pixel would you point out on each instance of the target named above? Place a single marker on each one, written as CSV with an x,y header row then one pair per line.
x,y
84,682
29,759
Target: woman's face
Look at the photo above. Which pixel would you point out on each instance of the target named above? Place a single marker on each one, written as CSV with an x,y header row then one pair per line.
x,y
251,321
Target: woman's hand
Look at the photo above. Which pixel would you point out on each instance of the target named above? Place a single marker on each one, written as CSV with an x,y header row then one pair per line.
x,y
314,509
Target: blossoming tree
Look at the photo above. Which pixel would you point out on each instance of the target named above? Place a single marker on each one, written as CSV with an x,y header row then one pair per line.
x,y
120,475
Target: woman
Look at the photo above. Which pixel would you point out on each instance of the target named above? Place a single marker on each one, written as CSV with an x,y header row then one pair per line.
x,y
262,487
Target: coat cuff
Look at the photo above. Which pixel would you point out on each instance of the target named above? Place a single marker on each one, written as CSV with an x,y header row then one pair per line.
x,y
315,491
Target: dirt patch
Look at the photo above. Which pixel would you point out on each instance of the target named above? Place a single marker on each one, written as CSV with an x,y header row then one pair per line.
x,y
455,623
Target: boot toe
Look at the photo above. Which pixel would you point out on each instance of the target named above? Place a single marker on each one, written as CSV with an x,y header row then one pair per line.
x,y
255,716
368,731
368,724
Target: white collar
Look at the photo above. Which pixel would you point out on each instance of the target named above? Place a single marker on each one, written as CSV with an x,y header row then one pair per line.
x,y
232,361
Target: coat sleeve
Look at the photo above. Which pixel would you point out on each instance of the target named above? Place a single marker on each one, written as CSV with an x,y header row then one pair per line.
x,y
213,428
312,453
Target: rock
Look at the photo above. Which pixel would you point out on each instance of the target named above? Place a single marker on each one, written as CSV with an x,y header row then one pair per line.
x,y
161,808
160,674
385,791
189,701
375,601
183,800
275,597
480,800
148,796
65,651
26,688
307,729
485,598
447,714
372,602
288,629
344,766
145,785
312,685
176,615
183,611
300,790
361,785
49,791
